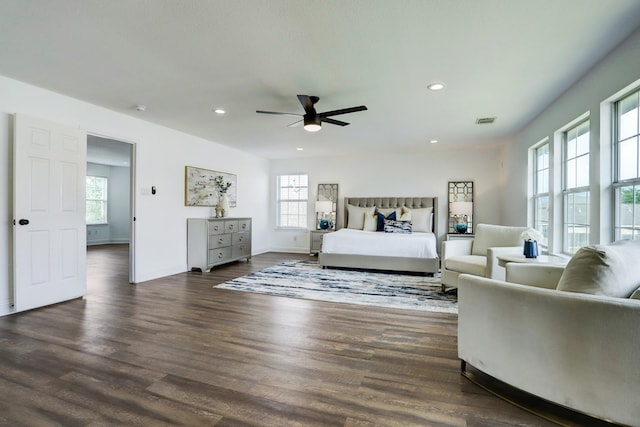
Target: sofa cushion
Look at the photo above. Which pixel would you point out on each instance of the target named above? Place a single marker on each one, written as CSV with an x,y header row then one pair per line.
x,y
469,264
356,216
609,270
491,236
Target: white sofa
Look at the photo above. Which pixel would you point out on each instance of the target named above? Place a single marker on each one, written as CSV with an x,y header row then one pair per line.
x,y
570,336
478,256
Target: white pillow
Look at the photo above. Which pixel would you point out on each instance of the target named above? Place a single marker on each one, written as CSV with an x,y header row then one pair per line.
x,y
356,216
370,222
610,270
420,219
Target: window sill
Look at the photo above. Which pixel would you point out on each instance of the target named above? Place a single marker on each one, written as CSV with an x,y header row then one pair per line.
x,y
290,229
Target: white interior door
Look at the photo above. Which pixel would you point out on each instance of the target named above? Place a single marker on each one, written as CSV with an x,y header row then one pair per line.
x,y
49,232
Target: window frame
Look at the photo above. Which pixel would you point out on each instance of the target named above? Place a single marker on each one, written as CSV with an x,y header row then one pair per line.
x,y
619,184
540,224
571,192
103,201
302,202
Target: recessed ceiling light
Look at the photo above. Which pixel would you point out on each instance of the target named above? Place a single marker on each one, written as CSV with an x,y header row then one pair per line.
x,y
300,149
433,141
219,111
435,86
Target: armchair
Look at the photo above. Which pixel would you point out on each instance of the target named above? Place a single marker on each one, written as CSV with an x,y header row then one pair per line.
x,y
479,255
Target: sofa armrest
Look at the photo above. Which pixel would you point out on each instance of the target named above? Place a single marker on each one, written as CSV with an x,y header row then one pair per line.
x,y
451,248
541,276
494,271
577,350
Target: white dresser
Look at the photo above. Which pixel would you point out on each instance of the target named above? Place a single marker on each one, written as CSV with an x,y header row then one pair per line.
x,y
215,241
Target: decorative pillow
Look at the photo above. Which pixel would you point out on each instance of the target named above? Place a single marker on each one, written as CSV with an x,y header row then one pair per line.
x,y
371,222
382,218
387,211
356,216
636,294
421,219
405,216
391,226
609,270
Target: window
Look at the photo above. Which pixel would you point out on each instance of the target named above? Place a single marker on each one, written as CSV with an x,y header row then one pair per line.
x,y
627,167
293,195
575,192
541,191
96,200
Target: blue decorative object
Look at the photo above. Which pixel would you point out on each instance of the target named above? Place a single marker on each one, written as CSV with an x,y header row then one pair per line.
x,y
461,227
381,218
530,249
324,224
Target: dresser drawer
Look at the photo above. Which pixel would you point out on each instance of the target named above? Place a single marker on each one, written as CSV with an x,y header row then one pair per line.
x,y
219,240
244,225
231,226
239,251
216,227
240,238
219,255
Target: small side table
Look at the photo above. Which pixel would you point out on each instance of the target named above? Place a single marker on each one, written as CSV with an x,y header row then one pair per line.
x,y
316,237
460,236
503,260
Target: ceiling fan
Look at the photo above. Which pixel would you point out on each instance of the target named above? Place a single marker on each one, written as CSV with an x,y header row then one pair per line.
x,y
313,120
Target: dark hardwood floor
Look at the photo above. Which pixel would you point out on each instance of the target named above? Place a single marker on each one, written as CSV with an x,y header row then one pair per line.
x,y
176,351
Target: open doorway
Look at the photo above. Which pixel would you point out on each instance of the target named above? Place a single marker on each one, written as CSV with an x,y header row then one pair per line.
x,y
110,208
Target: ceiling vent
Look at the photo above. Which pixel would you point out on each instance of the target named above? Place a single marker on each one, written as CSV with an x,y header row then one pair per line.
x,y
485,120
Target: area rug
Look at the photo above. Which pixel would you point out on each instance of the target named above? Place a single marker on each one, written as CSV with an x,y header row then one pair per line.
x,y
305,279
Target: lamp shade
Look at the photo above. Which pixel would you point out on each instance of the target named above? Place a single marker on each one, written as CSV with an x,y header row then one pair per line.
x,y
324,206
461,208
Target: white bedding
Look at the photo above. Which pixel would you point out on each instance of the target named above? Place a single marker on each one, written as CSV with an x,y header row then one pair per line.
x,y
358,242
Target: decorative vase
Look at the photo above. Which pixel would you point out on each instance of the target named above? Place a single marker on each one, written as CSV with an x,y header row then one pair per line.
x,y
223,204
530,249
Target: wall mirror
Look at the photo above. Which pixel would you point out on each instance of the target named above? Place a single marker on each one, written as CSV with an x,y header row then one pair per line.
x,y
326,207
460,200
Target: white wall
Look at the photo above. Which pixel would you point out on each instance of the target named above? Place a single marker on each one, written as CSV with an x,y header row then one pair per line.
x,y
410,174
617,71
117,229
161,155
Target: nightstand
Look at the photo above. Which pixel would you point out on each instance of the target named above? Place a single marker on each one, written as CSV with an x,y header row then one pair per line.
x,y
459,236
316,237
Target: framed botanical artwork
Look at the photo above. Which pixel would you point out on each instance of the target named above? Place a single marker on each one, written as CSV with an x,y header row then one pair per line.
x,y
203,187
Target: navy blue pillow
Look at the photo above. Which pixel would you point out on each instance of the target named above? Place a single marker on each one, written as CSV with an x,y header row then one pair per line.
x,y
381,218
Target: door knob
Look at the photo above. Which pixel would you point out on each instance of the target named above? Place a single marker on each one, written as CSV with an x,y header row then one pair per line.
x,y
23,222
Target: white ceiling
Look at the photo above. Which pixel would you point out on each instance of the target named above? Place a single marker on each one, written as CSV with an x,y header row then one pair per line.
x,y
182,59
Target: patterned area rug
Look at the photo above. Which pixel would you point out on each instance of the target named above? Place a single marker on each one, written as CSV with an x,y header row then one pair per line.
x,y
304,279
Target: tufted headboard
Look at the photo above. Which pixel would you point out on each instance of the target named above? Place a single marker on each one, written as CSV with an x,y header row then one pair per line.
x,y
393,202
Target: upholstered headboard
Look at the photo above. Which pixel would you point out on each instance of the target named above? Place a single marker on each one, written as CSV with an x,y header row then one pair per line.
x,y
393,202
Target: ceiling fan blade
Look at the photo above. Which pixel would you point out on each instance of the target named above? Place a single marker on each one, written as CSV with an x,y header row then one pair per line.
x,y
342,111
294,124
333,121
277,113
307,102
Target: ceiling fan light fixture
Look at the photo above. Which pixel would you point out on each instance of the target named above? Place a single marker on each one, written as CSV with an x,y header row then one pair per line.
x,y
312,124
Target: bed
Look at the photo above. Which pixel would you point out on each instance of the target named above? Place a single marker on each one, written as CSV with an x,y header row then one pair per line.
x,y
353,247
